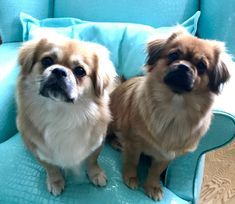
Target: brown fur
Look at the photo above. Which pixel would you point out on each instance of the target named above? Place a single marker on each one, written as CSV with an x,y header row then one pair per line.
x,y
149,118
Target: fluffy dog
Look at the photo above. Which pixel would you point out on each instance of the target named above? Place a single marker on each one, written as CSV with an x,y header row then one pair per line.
x,y
63,105
165,113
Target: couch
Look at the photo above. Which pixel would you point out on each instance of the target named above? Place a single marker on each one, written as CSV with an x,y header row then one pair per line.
x,y
22,179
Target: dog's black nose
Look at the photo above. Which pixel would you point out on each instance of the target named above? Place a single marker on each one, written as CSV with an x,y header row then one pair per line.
x,y
180,80
183,68
59,72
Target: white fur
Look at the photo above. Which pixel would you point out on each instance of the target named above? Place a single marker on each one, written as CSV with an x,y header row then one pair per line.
x,y
66,127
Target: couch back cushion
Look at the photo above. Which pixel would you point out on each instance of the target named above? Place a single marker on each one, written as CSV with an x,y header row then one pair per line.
x,y
10,27
217,21
125,41
149,12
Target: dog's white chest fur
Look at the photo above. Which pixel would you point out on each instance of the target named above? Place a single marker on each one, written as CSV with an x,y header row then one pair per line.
x,y
66,131
65,146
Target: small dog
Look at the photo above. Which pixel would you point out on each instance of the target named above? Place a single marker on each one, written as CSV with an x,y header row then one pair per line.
x,y
165,113
63,105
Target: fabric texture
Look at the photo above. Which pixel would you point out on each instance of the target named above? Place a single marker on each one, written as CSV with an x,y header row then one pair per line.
x,y
218,22
23,181
149,12
125,41
10,28
8,72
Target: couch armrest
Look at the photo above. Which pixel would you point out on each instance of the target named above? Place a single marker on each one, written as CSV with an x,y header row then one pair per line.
x,y
184,175
8,73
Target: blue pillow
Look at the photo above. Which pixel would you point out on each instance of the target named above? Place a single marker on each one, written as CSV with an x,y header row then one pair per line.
x,y
125,41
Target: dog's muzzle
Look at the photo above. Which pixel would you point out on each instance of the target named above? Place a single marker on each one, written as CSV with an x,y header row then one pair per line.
x,y
57,85
180,79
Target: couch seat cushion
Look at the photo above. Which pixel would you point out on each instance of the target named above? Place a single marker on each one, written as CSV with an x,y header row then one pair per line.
x,y
22,180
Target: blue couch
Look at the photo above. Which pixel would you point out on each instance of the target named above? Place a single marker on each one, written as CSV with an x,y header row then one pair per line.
x,y
22,179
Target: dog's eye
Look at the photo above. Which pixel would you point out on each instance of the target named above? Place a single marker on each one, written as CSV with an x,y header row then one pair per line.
x,y
201,68
47,61
173,56
79,71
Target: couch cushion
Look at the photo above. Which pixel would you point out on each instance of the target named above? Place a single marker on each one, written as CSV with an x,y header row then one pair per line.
x,y
8,74
125,41
150,12
22,180
10,28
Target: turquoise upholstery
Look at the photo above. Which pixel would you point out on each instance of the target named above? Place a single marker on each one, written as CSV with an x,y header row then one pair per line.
x,y
10,27
125,41
22,179
218,22
149,12
8,73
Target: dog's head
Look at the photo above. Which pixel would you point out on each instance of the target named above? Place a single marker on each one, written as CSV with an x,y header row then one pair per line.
x,y
185,63
65,70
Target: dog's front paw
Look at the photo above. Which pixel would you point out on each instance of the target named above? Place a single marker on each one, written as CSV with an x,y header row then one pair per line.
x,y
154,192
98,178
131,181
55,187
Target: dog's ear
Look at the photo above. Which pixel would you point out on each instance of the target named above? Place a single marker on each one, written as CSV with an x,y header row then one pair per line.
x,y
105,74
157,44
154,49
27,55
220,72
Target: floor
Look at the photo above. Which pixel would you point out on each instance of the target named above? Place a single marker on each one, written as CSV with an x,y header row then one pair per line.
x,y
219,177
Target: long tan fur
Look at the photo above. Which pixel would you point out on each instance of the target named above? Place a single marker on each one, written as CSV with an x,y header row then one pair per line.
x,y
150,118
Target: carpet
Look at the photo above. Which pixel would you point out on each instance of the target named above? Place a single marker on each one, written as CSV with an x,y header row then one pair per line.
x,y
219,177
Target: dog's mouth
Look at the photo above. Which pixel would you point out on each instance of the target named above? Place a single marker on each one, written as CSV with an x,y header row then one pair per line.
x,y
57,89
180,80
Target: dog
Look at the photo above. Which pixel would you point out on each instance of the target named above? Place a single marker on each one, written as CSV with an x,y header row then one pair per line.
x,y
165,113
63,105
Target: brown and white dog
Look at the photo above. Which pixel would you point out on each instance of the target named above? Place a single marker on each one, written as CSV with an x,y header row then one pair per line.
x,y
165,113
63,105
